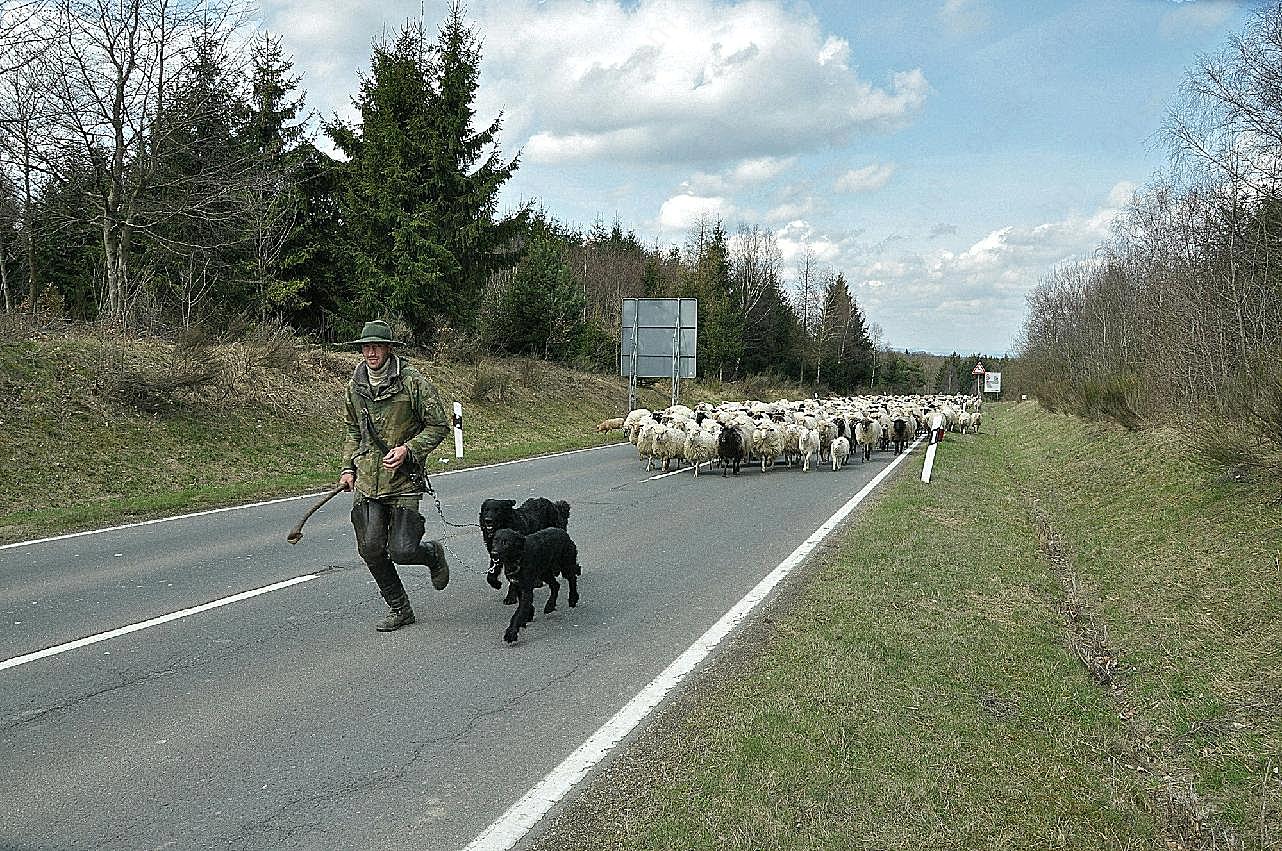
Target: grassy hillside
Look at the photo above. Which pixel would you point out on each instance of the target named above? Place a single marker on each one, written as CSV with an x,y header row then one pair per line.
x,y
1070,639
99,429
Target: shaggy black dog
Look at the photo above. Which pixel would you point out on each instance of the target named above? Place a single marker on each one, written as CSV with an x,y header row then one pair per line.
x,y
531,560
534,514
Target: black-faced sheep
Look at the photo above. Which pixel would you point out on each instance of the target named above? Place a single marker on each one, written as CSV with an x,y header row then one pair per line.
x,y
534,514
532,560
731,449
900,433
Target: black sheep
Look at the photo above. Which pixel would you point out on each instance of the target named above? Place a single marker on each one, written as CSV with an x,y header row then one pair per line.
x,y
730,449
531,560
534,514
901,436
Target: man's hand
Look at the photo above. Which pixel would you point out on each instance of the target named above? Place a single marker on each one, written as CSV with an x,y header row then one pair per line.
x,y
395,457
348,480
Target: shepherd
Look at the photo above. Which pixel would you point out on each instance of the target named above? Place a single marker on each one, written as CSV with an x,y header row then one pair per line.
x,y
394,418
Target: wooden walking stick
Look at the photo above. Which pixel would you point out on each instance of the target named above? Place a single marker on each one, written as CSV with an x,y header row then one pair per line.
x,y
296,534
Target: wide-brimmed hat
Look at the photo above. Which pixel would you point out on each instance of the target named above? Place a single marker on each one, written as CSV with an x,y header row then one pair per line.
x,y
377,331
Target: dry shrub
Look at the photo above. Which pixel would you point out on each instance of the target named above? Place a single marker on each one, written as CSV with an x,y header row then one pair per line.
x,y
531,373
489,384
1244,431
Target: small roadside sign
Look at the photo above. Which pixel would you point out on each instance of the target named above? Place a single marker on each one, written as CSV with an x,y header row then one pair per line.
x,y
992,382
978,370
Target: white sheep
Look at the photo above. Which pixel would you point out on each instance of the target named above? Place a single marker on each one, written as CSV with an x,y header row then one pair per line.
x,y
633,421
808,446
840,452
701,445
767,443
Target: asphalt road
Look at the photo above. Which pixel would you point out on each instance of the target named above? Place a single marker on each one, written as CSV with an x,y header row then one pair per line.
x,y
285,721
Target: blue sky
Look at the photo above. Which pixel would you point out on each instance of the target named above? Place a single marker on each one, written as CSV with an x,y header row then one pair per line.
x,y
942,155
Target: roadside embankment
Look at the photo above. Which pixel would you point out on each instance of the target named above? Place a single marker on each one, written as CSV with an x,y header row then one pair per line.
x,y
98,428
1070,639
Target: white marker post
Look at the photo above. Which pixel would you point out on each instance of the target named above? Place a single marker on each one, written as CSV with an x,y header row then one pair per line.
x,y
936,435
458,429
930,461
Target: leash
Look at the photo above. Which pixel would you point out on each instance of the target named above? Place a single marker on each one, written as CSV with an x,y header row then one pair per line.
x,y
431,491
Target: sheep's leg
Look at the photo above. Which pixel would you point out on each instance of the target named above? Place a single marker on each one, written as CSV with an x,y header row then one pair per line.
x,y
554,587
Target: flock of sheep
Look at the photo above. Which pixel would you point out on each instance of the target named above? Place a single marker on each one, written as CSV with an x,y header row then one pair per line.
x,y
807,432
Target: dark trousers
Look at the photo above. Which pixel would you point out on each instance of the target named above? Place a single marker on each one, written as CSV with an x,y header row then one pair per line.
x,y
387,534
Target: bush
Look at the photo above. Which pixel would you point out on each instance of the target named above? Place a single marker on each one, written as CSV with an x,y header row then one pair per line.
x,y
489,384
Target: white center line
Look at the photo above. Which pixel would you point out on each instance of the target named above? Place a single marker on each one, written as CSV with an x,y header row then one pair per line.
x,y
510,827
172,616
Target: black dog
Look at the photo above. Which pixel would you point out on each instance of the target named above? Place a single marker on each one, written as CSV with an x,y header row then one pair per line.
x,y
531,560
534,514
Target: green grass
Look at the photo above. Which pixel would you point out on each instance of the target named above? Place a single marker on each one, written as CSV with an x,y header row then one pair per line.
x,y
923,689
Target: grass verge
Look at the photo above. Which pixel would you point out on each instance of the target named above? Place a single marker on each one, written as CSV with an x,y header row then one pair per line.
x,y
100,429
1070,639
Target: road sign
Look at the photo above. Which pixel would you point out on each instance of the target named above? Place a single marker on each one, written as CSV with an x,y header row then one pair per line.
x,y
978,370
992,382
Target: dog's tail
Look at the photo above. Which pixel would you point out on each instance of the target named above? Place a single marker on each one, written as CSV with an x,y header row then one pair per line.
x,y
563,513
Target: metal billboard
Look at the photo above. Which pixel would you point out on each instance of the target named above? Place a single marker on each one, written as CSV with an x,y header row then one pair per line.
x,y
658,338
665,332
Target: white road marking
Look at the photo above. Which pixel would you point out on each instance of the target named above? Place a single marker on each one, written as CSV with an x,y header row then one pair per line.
x,y
172,616
280,500
510,827
675,472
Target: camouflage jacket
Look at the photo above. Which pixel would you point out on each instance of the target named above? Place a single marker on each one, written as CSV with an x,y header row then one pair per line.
x,y
406,409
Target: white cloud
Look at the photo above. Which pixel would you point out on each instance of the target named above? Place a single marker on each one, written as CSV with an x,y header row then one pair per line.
x,y
745,174
1121,194
866,179
681,211
960,295
791,210
964,17
797,237
689,81
1190,20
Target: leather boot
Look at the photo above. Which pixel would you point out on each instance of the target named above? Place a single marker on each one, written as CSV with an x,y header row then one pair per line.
x,y
401,615
440,569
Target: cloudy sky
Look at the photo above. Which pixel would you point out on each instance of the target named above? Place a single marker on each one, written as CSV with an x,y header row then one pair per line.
x,y
942,154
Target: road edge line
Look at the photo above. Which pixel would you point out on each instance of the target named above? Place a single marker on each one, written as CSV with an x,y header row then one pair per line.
x,y
521,817
206,512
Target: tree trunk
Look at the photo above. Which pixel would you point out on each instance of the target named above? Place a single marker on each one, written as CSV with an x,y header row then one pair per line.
x,y
4,277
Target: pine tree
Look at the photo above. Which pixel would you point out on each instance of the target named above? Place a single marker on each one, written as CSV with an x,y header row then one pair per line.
x,y
720,320
420,192
467,171
274,213
398,271
540,311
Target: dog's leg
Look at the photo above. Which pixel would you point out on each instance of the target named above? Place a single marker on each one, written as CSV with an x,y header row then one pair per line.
x,y
519,618
573,579
513,594
555,588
